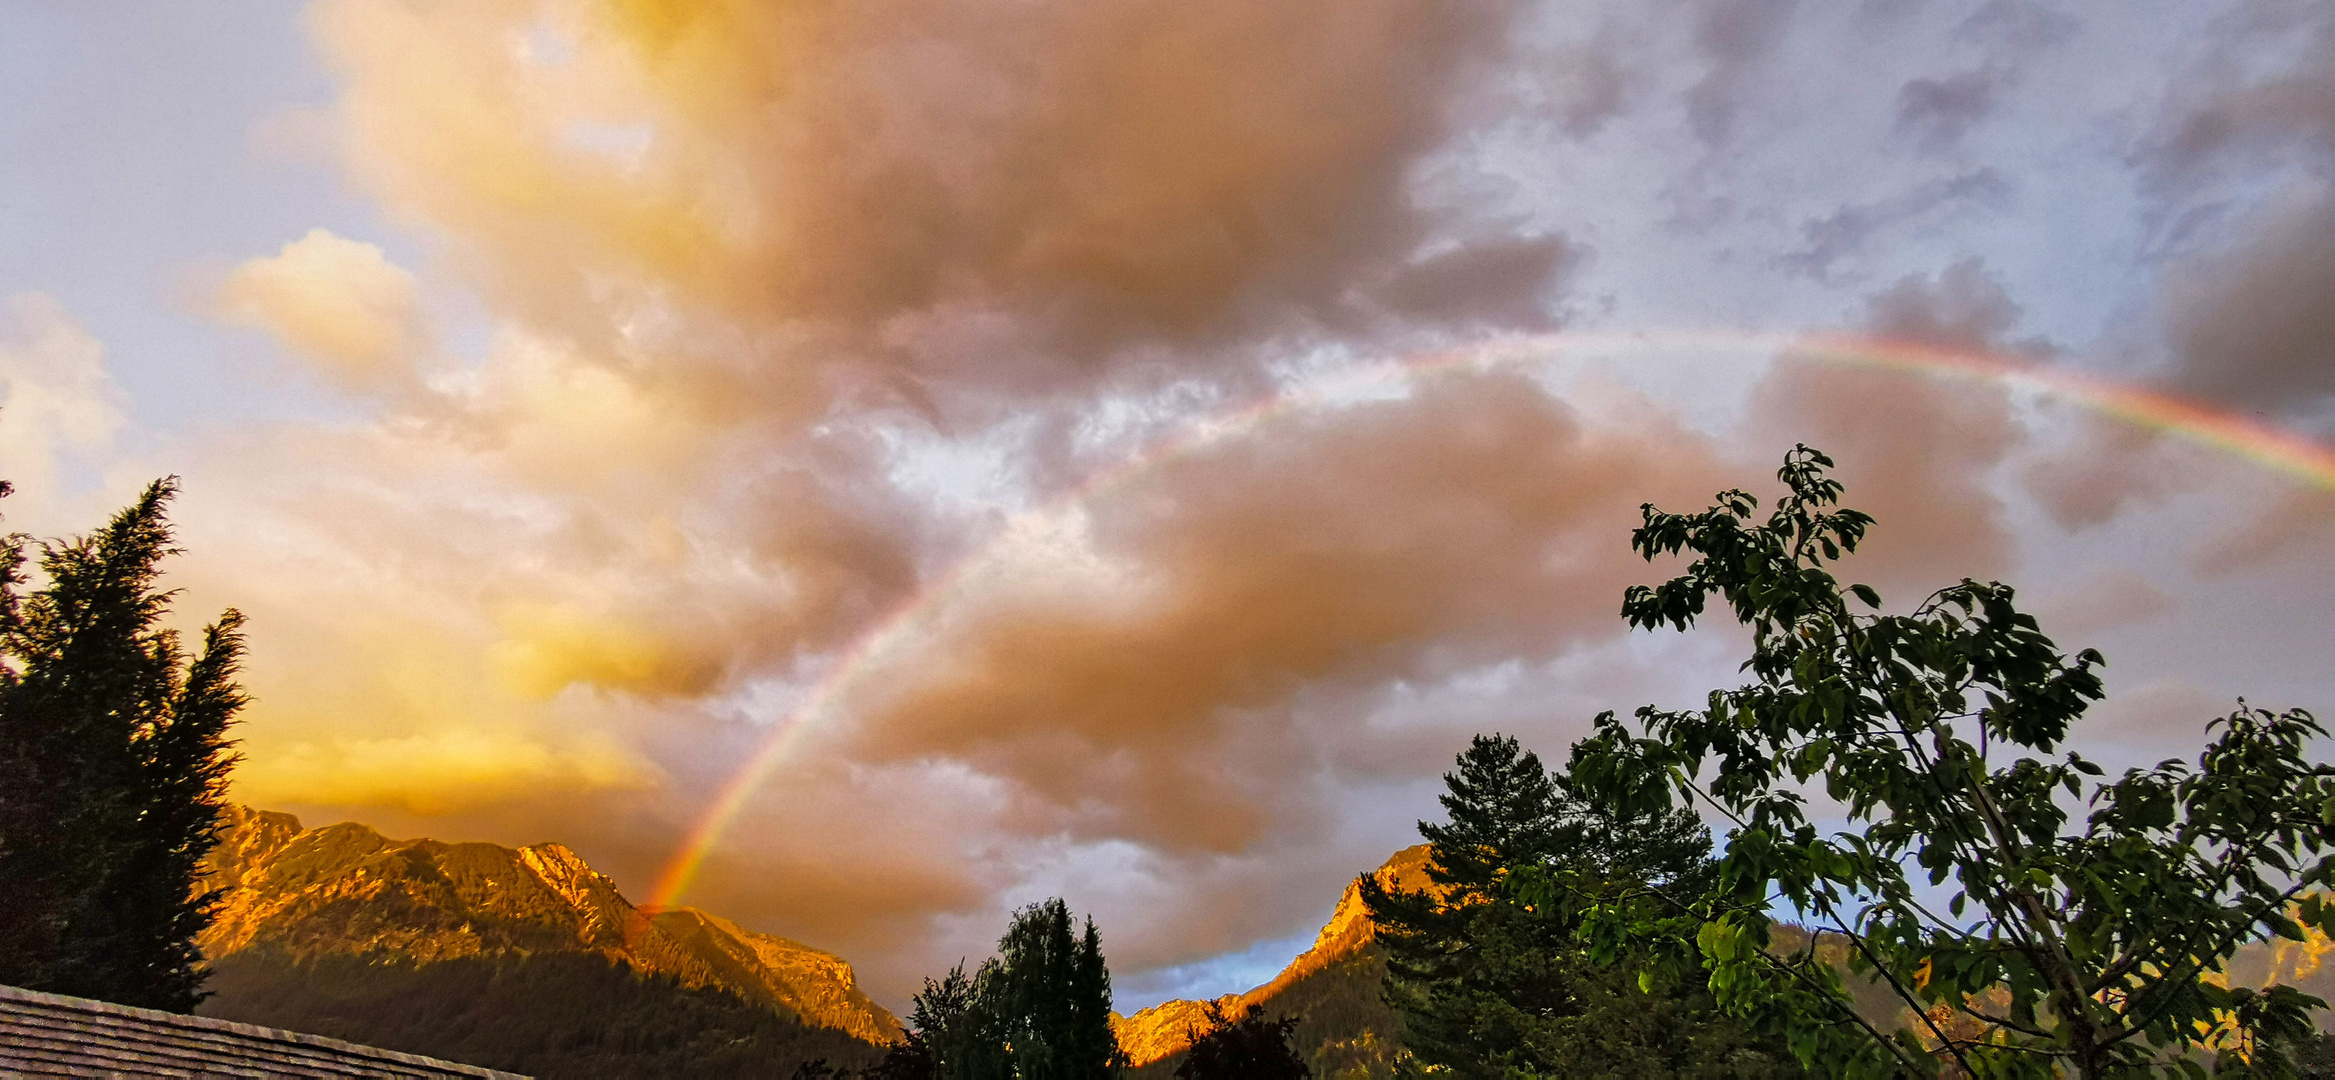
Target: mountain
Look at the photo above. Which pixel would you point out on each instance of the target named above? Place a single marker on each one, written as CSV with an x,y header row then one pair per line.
x,y
1344,1029
522,959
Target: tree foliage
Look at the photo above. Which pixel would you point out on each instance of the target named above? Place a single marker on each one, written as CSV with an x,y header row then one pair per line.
x,y
1489,986
113,763
1243,1047
1039,1010
2035,916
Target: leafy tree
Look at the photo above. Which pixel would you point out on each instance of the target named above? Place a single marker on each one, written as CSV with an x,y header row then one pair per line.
x,y
1040,1010
2040,944
1488,986
113,763
1246,1047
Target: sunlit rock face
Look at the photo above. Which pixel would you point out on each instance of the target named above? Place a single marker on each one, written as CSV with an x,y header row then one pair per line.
x,y
1333,986
349,891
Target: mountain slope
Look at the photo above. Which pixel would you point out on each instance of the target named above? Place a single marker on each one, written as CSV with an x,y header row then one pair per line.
x,y
1344,1029
340,926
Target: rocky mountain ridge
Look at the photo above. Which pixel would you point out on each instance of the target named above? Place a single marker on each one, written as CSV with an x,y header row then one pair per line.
x,y
347,891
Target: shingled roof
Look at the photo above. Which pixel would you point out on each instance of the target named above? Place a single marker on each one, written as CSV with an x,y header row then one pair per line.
x,y
53,1035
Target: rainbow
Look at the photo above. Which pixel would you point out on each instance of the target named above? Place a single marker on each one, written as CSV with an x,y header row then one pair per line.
x,y
2262,444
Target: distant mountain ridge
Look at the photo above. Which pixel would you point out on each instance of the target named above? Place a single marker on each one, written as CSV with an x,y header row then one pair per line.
x,y
376,913
347,889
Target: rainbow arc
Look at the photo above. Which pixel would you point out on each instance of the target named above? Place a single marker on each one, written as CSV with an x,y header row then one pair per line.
x,y
2281,451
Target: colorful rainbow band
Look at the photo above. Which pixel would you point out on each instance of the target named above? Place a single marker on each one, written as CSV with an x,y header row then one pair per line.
x,y
2282,451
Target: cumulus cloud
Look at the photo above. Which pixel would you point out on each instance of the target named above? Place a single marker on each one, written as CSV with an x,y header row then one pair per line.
x,y
740,262
1079,178
339,304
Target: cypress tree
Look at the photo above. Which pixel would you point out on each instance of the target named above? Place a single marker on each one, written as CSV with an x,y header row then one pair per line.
x,y
113,763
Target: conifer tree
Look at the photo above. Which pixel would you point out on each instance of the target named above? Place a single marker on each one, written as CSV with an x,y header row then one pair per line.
x,y
1039,1010
1487,986
113,763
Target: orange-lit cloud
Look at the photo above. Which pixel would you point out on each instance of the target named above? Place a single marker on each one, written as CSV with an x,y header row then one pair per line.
x,y
1065,179
1475,521
337,303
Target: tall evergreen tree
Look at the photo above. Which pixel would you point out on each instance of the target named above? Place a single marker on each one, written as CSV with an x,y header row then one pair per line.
x,y
1504,811
113,763
1490,987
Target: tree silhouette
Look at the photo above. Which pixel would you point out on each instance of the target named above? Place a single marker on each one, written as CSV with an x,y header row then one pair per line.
x,y
113,763
1246,1047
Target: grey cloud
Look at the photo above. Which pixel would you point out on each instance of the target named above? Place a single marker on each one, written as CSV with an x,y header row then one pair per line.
x,y
1937,112
1735,36
1582,89
1843,233
1502,283
2296,525
2230,112
2018,26
1965,307
2098,602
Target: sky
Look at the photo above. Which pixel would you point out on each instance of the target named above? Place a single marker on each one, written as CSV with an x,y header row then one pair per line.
x,y
860,469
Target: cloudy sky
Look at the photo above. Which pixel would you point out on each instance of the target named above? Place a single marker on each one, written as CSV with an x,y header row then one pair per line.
x,y
1122,450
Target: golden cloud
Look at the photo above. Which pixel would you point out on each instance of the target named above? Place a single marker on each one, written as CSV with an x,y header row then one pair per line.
x,y
338,303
